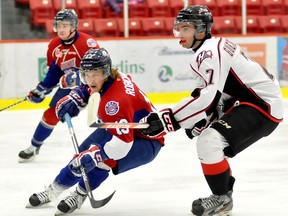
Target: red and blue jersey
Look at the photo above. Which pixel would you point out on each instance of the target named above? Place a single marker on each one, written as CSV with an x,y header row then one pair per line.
x,y
63,58
122,101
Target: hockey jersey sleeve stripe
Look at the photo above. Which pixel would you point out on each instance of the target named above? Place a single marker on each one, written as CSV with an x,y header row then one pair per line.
x,y
116,148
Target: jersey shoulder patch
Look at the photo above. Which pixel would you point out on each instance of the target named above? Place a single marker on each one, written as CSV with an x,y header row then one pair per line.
x,y
91,42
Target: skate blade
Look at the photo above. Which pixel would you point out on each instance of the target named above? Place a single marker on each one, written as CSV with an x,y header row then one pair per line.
x,y
225,213
58,213
30,206
22,160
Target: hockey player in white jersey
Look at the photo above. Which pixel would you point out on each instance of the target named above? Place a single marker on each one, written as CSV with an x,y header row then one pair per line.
x,y
235,103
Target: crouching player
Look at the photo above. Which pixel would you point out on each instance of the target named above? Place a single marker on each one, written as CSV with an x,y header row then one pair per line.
x,y
118,150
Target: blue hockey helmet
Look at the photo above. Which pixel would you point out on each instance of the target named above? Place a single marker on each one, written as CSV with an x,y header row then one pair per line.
x,y
95,59
198,15
66,15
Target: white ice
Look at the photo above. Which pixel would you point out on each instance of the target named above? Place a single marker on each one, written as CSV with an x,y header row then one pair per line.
x,y
167,186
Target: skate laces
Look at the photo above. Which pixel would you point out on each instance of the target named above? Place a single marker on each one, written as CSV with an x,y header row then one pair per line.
x,y
214,201
74,200
30,149
44,197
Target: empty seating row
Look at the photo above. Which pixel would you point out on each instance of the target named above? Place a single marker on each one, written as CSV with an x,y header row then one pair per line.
x,y
114,27
159,26
254,24
46,9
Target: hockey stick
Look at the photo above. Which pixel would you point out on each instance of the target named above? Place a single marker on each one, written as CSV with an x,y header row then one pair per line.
x,y
93,104
94,203
25,99
131,125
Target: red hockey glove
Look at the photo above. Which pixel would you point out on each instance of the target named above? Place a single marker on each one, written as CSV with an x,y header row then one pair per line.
x,y
160,123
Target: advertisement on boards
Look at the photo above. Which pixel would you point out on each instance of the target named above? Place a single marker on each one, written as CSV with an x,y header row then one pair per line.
x,y
282,49
156,65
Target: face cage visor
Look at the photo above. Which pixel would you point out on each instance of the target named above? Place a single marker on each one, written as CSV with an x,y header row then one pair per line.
x,y
97,74
183,27
65,23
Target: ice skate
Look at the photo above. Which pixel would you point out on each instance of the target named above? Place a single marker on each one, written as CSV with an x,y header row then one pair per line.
x,y
213,205
28,154
38,199
71,203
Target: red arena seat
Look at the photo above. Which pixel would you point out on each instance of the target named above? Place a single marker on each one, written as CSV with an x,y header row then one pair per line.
x,y
159,8
69,4
41,10
169,21
255,7
274,7
139,10
153,26
135,27
252,24
106,27
86,26
90,9
270,24
284,23
229,7
49,28
224,25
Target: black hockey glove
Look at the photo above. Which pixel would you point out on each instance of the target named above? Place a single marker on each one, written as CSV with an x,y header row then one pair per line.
x,y
197,129
160,123
201,125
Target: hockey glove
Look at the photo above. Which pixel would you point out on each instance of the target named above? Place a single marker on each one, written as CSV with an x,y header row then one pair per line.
x,y
197,129
201,125
70,80
89,159
159,123
37,95
71,104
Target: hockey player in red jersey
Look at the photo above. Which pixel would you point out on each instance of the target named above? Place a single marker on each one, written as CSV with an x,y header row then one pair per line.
x,y
63,58
119,149
235,103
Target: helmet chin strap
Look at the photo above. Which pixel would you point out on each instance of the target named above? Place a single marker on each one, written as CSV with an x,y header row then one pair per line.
x,y
207,36
195,40
69,40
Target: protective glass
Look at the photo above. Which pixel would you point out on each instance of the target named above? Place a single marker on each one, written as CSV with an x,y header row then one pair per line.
x,y
62,25
96,74
183,29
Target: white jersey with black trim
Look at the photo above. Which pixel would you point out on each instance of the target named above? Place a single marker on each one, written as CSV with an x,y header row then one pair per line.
x,y
222,69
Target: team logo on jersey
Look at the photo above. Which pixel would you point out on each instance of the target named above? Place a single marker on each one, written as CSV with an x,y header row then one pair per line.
x,y
59,53
68,64
91,42
202,56
112,108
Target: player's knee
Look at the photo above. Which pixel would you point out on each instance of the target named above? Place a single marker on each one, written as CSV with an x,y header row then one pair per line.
x,y
49,117
210,145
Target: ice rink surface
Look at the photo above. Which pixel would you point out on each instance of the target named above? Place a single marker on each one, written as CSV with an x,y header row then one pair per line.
x,y
165,187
